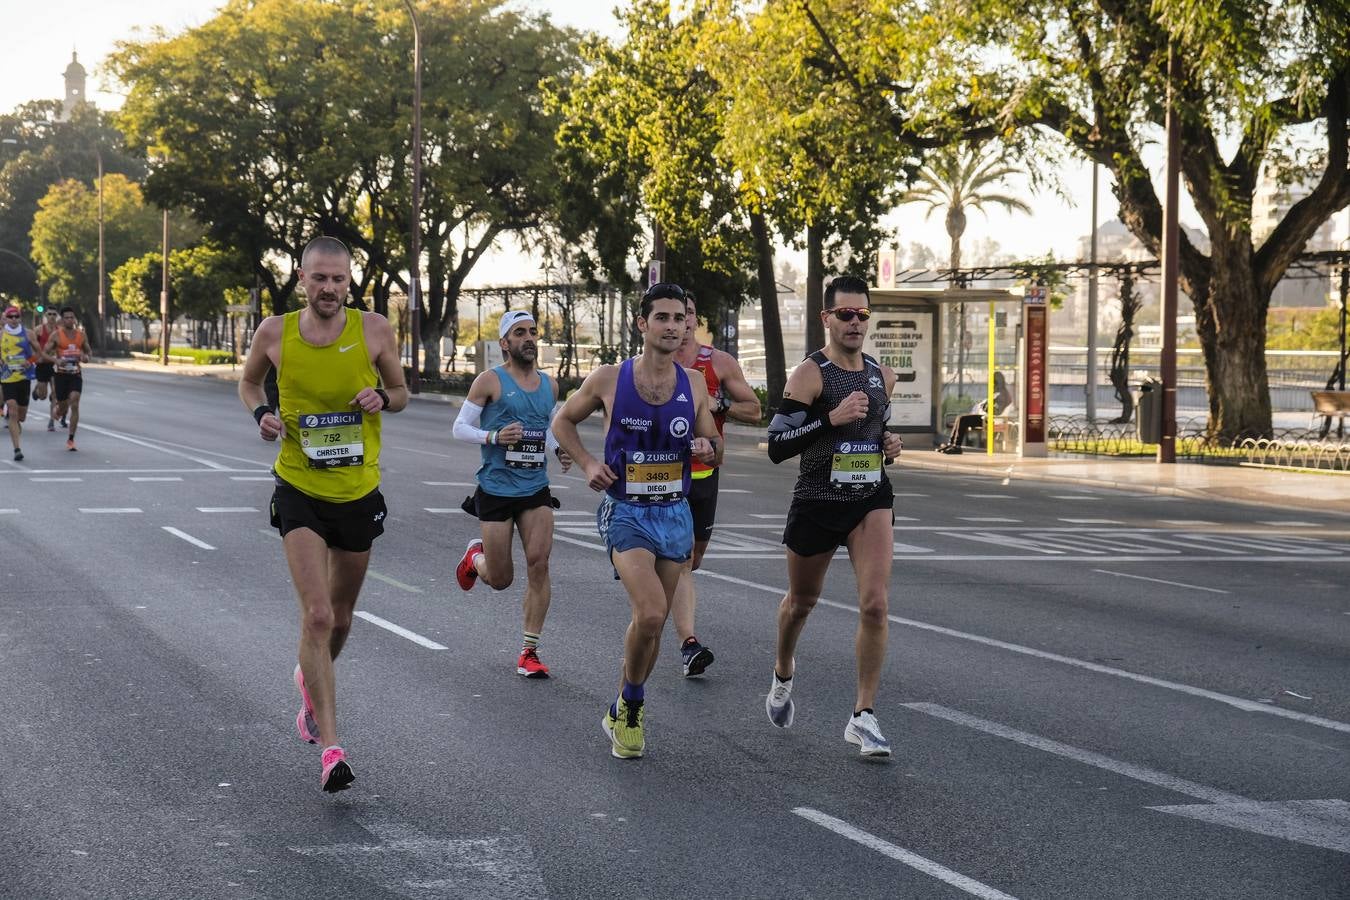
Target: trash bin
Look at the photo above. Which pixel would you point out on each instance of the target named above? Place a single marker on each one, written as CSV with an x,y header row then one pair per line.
x,y
1150,411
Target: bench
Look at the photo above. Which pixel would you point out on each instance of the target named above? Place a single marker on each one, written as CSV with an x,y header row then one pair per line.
x,y
1005,431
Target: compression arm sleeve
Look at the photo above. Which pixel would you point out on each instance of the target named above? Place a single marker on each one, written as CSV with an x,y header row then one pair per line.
x,y
466,424
792,430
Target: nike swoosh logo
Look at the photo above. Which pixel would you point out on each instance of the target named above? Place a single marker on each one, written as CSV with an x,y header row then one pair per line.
x,y
346,348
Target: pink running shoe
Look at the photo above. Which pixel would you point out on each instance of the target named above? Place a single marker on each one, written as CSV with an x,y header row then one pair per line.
x,y
337,774
304,720
465,573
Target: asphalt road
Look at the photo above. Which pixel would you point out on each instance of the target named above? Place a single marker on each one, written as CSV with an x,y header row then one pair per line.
x,y
1091,693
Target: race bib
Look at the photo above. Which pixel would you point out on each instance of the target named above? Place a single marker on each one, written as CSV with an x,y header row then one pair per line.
x,y
654,476
332,439
855,464
69,363
528,452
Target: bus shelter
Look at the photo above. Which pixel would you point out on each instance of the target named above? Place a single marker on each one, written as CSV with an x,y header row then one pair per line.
x,y
945,346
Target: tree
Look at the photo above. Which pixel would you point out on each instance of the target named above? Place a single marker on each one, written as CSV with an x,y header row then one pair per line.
x,y
1270,80
65,235
37,150
640,150
955,179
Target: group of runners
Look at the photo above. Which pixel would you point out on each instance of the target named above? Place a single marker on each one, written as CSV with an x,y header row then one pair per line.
x,y
42,364
663,411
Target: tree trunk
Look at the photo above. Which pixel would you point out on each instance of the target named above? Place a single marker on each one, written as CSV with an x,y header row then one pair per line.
x,y
775,369
815,287
1120,351
431,352
1231,322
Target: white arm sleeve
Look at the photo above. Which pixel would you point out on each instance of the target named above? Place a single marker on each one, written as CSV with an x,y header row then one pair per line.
x,y
466,424
550,442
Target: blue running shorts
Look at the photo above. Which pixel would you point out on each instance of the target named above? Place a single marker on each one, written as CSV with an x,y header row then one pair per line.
x,y
665,529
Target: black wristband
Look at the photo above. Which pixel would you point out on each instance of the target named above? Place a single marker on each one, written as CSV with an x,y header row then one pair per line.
x,y
260,411
384,396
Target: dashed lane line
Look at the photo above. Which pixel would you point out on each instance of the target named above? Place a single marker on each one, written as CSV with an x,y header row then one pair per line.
x,y
901,855
53,480
998,519
109,510
155,478
210,464
398,630
227,509
252,478
196,542
1251,706
1180,584
9,512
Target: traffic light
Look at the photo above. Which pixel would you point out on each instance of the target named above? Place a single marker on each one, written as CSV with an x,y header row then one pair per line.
x,y
40,309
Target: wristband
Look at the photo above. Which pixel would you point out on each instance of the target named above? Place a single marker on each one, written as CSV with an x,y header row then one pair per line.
x,y
492,438
384,397
260,411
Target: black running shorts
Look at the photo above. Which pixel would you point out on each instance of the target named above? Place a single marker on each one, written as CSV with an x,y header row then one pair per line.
x,y
703,506
45,372
492,508
822,526
65,385
18,391
352,526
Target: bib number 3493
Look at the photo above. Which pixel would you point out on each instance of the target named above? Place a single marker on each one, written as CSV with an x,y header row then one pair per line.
x,y
332,439
856,464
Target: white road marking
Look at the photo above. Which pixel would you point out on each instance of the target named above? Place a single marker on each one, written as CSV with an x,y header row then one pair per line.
x,y
227,509
398,630
1290,524
1092,521
1004,540
732,491
1317,823
8,512
1194,587
1185,522
53,480
906,519
451,483
154,446
901,855
989,519
251,477
443,511
1073,497
908,494
572,512
1087,757
909,548
1203,693
187,537
763,516
991,496
398,584
109,510
156,478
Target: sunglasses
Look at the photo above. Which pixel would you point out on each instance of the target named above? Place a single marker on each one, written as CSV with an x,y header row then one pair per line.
x,y
11,315
849,313
664,290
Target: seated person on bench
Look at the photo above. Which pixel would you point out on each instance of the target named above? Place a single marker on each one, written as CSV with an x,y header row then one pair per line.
x,y
1003,399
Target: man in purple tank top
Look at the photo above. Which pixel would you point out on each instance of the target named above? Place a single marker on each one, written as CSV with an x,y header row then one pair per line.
x,y
657,417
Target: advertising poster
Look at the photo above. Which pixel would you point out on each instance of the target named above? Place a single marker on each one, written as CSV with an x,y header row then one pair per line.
x,y
1037,345
903,340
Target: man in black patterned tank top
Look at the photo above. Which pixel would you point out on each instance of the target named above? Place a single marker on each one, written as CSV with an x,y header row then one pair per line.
x,y
834,413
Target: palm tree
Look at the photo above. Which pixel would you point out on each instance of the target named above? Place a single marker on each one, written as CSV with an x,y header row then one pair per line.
x,y
957,177
962,177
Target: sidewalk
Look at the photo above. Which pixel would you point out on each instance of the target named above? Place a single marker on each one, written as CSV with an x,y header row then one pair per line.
x,y
1287,490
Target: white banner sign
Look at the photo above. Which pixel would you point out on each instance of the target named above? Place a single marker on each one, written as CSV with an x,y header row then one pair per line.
x,y
903,340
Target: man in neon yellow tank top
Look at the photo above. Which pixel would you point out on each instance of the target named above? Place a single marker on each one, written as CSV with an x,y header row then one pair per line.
x,y
330,364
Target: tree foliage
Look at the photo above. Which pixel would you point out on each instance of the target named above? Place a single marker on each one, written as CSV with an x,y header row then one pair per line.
x,y
1261,82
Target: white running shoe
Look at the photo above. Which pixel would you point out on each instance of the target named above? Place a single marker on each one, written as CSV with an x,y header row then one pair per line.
x,y
778,702
863,732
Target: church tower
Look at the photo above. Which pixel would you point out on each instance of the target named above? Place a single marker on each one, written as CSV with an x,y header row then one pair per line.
x,y
74,87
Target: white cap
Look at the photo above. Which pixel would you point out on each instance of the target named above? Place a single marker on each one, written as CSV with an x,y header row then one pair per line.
x,y
510,318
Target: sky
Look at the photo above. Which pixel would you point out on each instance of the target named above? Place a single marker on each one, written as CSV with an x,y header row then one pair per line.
x,y
42,36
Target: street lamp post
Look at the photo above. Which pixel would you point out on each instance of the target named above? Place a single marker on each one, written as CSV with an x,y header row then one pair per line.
x,y
102,274
415,261
1167,362
164,298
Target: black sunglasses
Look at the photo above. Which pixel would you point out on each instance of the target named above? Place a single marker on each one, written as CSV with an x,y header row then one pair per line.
x,y
664,290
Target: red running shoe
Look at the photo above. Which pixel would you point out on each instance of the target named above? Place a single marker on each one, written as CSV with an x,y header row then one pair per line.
x,y
465,573
529,664
337,774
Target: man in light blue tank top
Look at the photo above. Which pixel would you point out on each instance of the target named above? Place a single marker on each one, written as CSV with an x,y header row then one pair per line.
x,y
657,418
507,413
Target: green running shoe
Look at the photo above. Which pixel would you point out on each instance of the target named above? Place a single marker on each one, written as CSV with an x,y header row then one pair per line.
x,y
625,730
